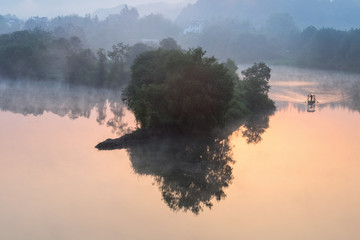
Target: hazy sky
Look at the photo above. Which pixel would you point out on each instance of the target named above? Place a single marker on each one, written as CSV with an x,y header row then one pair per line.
x,y
50,8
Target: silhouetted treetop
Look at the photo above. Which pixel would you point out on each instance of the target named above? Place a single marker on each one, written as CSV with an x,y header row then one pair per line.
x,y
180,90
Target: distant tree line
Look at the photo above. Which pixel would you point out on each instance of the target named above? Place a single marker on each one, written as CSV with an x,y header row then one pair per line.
x,y
327,48
126,26
41,56
66,46
280,41
276,39
342,14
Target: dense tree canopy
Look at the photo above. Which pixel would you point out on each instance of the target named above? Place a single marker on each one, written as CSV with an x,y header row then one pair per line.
x,y
179,90
328,49
187,92
256,86
23,54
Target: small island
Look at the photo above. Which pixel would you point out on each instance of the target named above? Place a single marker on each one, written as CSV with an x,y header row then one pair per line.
x,y
175,93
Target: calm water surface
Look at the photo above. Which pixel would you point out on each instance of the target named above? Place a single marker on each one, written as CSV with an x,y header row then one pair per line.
x,y
287,175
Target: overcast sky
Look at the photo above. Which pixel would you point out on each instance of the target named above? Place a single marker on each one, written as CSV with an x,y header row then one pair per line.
x,y
51,8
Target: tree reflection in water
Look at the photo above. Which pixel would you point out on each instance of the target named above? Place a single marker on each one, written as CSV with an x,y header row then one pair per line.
x,y
36,98
116,122
101,109
354,93
190,172
255,126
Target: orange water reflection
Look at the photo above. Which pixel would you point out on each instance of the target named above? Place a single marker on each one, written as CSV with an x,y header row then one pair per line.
x,y
300,181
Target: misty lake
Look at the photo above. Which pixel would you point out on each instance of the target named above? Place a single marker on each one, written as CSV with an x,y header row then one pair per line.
x,y
291,174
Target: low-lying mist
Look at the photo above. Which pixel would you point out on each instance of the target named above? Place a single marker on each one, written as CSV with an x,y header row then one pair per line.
x,y
37,98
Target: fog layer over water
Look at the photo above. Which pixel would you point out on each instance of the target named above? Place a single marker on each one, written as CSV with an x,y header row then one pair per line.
x,y
39,98
287,175
290,86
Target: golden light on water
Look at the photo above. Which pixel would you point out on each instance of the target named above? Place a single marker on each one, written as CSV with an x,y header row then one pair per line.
x,y
300,181
303,176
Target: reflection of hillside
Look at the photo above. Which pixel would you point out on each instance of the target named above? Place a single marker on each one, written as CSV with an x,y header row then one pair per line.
x,y
66,101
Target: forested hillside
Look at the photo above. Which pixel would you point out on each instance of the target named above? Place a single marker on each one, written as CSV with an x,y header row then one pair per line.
x,y
338,14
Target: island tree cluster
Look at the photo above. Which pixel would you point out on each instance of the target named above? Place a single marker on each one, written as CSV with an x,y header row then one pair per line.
x,y
185,91
179,90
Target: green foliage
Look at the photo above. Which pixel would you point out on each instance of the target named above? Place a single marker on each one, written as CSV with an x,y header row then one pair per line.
x,y
251,93
280,25
39,55
256,87
135,51
237,106
22,54
102,67
169,44
155,26
281,31
329,49
118,74
279,40
232,67
81,68
235,39
179,90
